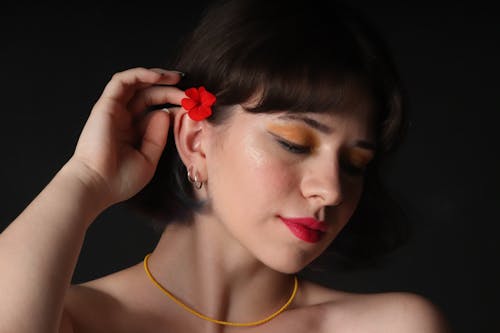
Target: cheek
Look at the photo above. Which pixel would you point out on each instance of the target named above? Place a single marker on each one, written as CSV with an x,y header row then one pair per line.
x,y
248,171
266,178
352,195
264,168
352,188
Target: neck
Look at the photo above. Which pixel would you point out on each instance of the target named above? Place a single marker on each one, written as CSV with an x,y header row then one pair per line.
x,y
207,269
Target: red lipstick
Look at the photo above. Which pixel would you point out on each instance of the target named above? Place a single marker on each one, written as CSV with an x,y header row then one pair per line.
x,y
307,229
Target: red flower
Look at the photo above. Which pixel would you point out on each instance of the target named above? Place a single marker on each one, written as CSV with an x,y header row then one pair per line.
x,y
198,104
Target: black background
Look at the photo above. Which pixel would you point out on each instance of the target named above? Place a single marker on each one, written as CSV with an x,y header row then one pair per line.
x,y
55,62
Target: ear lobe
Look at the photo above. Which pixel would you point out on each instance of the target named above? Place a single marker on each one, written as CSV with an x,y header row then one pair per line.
x,y
188,136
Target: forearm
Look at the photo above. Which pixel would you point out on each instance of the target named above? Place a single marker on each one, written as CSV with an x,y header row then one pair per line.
x,y
39,251
115,157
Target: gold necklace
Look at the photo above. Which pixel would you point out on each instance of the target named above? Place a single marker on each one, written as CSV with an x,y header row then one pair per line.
x,y
221,322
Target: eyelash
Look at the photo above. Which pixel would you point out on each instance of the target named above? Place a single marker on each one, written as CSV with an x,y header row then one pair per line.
x,y
294,148
302,150
354,171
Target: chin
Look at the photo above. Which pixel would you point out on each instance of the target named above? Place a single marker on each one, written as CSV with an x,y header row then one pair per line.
x,y
290,268
290,264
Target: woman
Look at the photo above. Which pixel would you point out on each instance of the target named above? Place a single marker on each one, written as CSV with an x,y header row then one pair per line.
x,y
265,151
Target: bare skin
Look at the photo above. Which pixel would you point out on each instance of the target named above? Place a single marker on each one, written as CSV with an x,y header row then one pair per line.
x,y
127,301
232,264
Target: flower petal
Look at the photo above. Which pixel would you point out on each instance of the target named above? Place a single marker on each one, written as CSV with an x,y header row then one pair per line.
x,y
193,93
206,98
188,103
199,113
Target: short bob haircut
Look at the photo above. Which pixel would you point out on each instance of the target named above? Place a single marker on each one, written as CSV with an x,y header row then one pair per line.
x,y
299,56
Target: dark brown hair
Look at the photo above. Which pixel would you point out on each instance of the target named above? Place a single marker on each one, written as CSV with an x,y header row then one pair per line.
x,y
299,57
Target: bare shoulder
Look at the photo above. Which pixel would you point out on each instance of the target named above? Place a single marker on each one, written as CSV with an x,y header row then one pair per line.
x,y
398,312
379,312
101,305
87,308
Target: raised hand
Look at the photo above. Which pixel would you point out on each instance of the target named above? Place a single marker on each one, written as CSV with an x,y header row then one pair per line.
x,y
120,145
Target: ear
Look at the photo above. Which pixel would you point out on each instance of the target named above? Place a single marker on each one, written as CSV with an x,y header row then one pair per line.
x,y
189,138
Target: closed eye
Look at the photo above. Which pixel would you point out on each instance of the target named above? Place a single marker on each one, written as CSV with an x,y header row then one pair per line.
x,y
293,147
354,170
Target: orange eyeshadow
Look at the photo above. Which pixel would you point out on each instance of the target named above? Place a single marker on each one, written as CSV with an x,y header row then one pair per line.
x,y
297,134
359,157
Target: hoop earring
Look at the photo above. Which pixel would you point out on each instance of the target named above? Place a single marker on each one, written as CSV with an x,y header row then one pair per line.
x,y
196,182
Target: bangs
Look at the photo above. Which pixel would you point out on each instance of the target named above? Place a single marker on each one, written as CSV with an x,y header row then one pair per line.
x,y
305,66
307,91
294,58
300,61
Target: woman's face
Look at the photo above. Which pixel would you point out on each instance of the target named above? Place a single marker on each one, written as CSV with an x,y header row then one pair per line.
x,y
285,184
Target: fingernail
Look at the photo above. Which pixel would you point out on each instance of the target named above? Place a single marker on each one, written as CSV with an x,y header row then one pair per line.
x,y
181,74
160,71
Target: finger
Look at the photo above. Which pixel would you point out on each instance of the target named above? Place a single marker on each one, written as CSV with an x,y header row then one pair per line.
x,y
154,137
155,95
172,110
169,77
123,85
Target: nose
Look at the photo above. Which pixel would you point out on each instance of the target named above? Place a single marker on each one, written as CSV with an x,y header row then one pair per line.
x,y
322,184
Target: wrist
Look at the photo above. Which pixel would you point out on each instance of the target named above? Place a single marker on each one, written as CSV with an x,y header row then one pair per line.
x,y
90,186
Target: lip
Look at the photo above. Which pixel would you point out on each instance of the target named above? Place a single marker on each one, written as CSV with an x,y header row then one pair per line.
x,y
307,229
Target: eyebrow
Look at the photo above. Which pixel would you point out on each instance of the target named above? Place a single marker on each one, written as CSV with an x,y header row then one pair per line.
x,y
325,129
366,145
309,122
